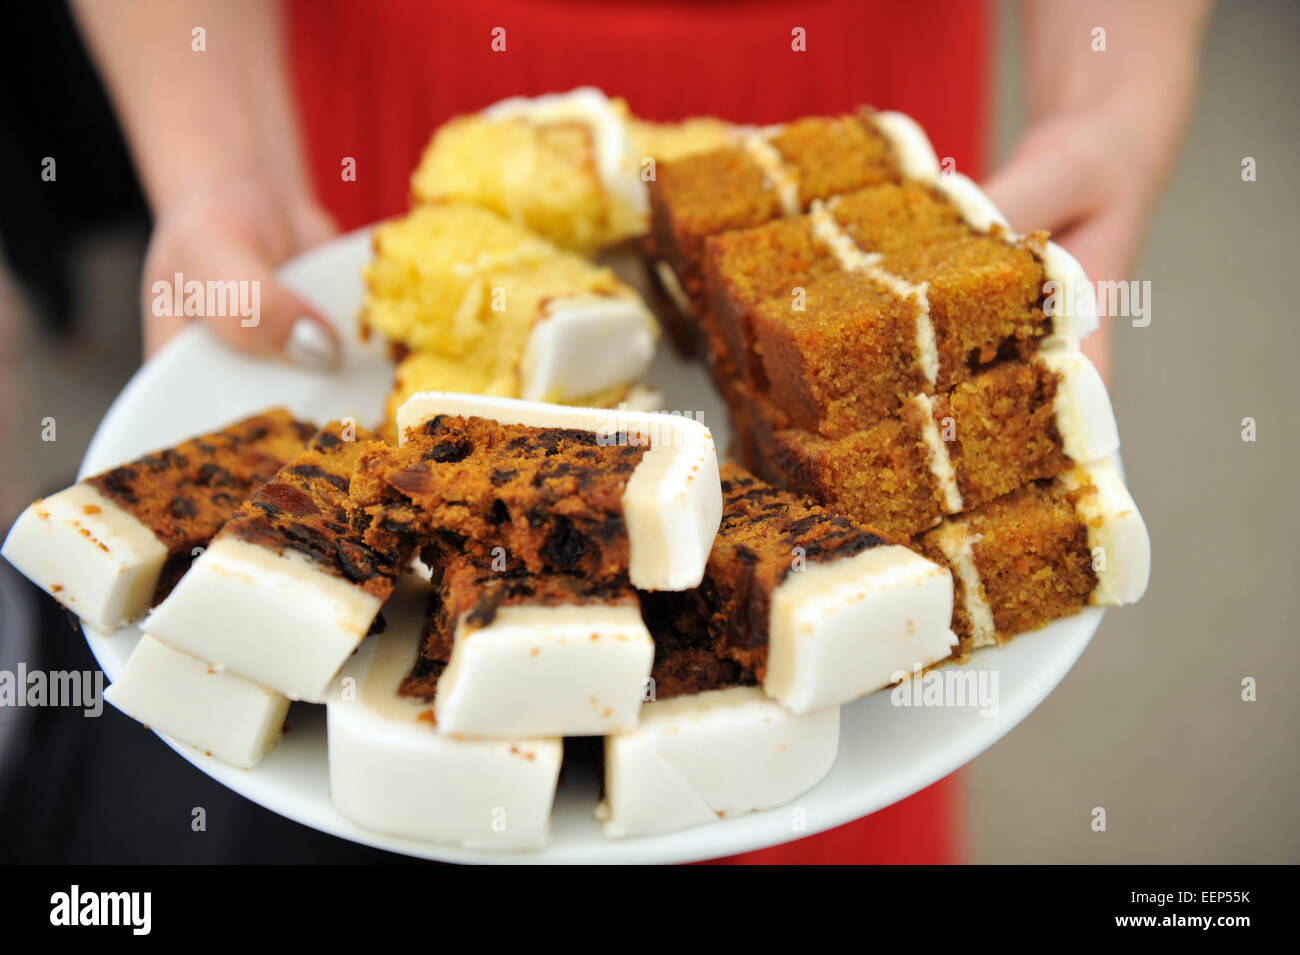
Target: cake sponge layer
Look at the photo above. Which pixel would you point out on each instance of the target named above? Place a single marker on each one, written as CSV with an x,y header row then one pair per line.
x,y
719,753
183,697
391,771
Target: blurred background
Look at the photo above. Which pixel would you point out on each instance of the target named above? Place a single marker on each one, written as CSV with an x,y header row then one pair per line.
x,y
1150,724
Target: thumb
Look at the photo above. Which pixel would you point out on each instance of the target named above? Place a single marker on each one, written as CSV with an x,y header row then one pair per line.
x,y
277,322
237,294
1040,186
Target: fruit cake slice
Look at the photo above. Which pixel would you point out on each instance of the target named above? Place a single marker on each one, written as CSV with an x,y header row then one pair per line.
x,y
820,609
112,545
286,591
604,494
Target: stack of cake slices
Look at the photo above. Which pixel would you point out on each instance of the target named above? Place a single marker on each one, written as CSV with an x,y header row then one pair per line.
x,y
888,346
586,573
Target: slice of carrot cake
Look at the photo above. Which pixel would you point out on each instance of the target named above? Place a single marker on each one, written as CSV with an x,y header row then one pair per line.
x,y
112,545
772,172
1014,423
286,591
882,294
1043,552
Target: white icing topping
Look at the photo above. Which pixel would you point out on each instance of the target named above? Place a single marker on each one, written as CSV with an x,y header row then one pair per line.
x,y
584,344
916,158
276,619
1084,417
615,159
1118,541
92,556
975,207
940,461
831,234
672,504
672,287
842,628
189,700
537,670
766,157
958,545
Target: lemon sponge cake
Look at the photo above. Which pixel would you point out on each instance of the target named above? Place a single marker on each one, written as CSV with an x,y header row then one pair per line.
x,y
564,165
110,546
500,310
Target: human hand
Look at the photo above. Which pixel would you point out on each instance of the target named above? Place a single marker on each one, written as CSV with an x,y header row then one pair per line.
x,y
236,228
1104,131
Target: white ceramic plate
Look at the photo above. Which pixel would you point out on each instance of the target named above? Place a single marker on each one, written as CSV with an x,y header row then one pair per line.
x,y
887,752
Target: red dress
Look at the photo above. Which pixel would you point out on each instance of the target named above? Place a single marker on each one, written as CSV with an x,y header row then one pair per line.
x,y
374,79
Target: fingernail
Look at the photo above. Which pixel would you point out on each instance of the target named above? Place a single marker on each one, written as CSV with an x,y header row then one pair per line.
x,y
310,347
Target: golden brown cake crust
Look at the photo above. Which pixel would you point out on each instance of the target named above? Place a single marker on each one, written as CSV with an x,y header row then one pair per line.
x,y
185,493
551,497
